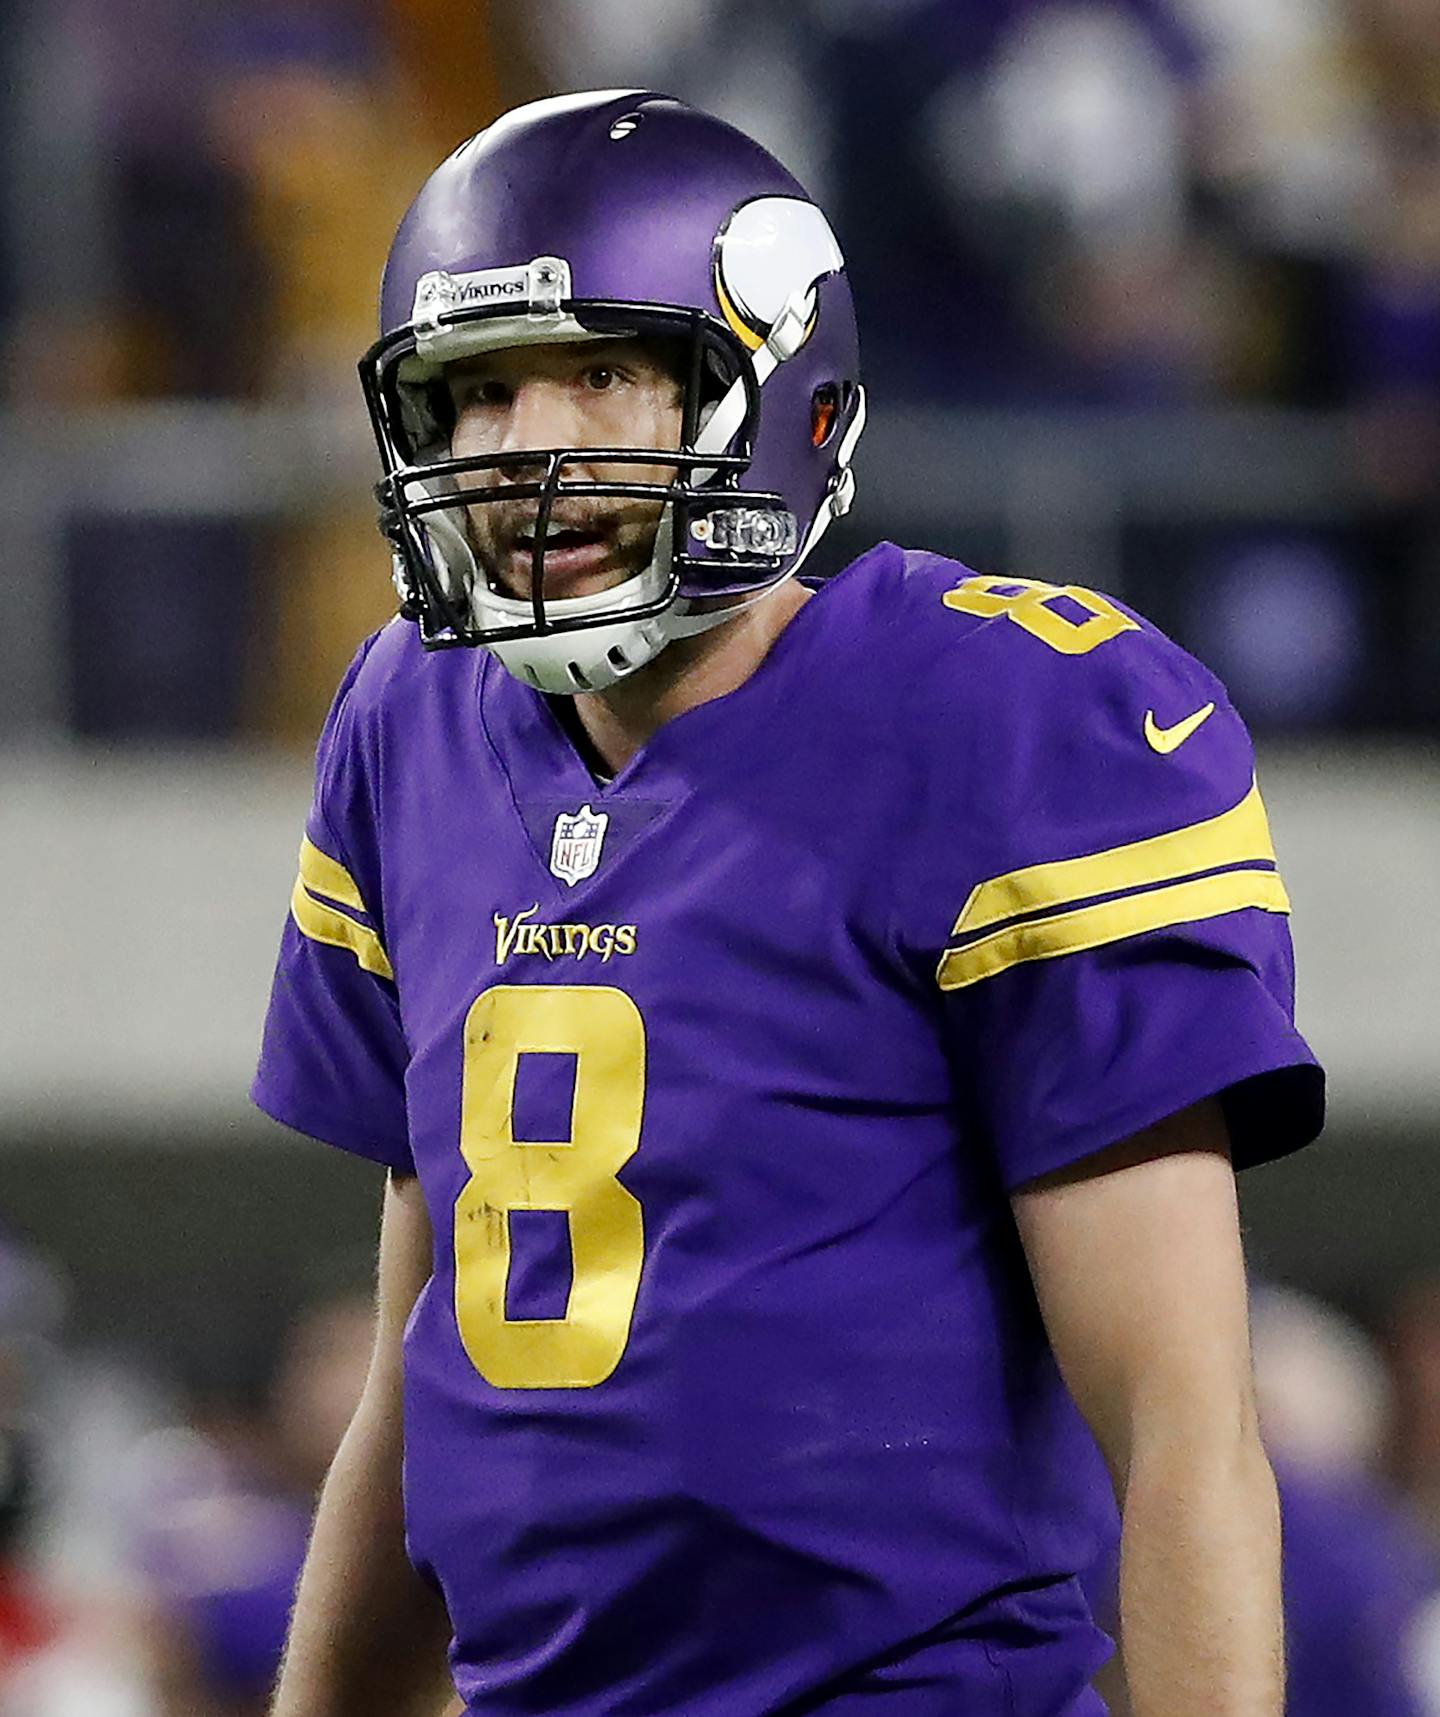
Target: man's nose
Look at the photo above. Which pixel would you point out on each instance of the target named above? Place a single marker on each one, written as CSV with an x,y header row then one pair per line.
x,y
542,416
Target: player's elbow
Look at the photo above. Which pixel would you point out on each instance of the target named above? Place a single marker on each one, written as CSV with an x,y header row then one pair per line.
x,y
1168,1426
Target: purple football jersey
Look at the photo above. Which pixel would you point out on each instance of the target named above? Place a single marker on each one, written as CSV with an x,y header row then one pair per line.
x,y
729,1393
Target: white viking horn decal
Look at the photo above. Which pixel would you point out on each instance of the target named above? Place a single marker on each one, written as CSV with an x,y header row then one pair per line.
x,y
770,250
769,257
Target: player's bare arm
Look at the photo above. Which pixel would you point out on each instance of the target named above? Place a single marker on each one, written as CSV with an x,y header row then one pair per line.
x,y
1137,1262
368,1637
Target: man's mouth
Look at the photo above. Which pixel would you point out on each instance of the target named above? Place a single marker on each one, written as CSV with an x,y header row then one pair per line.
x,y
559,540
571,553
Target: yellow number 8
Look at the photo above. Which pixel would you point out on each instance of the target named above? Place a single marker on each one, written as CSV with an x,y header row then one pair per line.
x,y
603,1029
1027,604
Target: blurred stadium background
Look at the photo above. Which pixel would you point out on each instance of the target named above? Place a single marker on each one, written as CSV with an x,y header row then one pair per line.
x,y
1151,298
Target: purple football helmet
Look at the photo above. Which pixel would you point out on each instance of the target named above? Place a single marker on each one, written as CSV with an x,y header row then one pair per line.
x,y
621,214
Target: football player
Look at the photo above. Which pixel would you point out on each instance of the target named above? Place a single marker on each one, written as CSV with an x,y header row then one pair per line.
x,y
810,1027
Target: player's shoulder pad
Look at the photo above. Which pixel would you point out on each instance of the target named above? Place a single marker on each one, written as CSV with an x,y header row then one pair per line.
x,y
347,746
389,678
389,655
1057,721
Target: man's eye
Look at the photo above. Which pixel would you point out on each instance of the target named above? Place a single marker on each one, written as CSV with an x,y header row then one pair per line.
x,y
481,392
599,377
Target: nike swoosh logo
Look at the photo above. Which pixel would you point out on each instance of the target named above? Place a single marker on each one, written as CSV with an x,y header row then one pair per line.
x,y
1168,739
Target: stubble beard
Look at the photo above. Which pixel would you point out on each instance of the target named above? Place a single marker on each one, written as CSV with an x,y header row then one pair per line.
x,y
623,532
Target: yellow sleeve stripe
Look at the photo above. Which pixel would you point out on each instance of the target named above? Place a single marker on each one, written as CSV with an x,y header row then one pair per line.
x,y
328,924
321,922
1112,921
1238,836
323,875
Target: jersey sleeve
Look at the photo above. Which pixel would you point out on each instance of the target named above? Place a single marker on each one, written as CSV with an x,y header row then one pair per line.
x,y
333,1058
1119,945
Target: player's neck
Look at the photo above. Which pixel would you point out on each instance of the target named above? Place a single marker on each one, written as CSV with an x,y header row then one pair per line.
x,y
689,672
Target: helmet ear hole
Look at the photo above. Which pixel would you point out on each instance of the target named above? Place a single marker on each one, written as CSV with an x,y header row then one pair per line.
x,y
824,413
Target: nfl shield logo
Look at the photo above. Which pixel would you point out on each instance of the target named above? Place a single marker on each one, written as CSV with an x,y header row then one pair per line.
x,y
575,848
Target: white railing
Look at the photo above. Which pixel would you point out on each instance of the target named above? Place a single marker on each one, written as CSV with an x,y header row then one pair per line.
x,y
1060,486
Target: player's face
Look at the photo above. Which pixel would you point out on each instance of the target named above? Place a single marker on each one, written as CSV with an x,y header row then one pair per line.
x,y
593,393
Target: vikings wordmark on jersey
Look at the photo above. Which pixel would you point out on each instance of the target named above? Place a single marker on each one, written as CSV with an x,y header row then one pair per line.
x,y
523,933
729,1390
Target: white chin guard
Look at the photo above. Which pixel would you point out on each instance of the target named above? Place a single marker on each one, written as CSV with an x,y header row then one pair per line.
x,y
589,658
592,657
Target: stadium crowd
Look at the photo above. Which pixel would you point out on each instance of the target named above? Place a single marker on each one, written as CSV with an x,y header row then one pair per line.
x,y
1145,205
